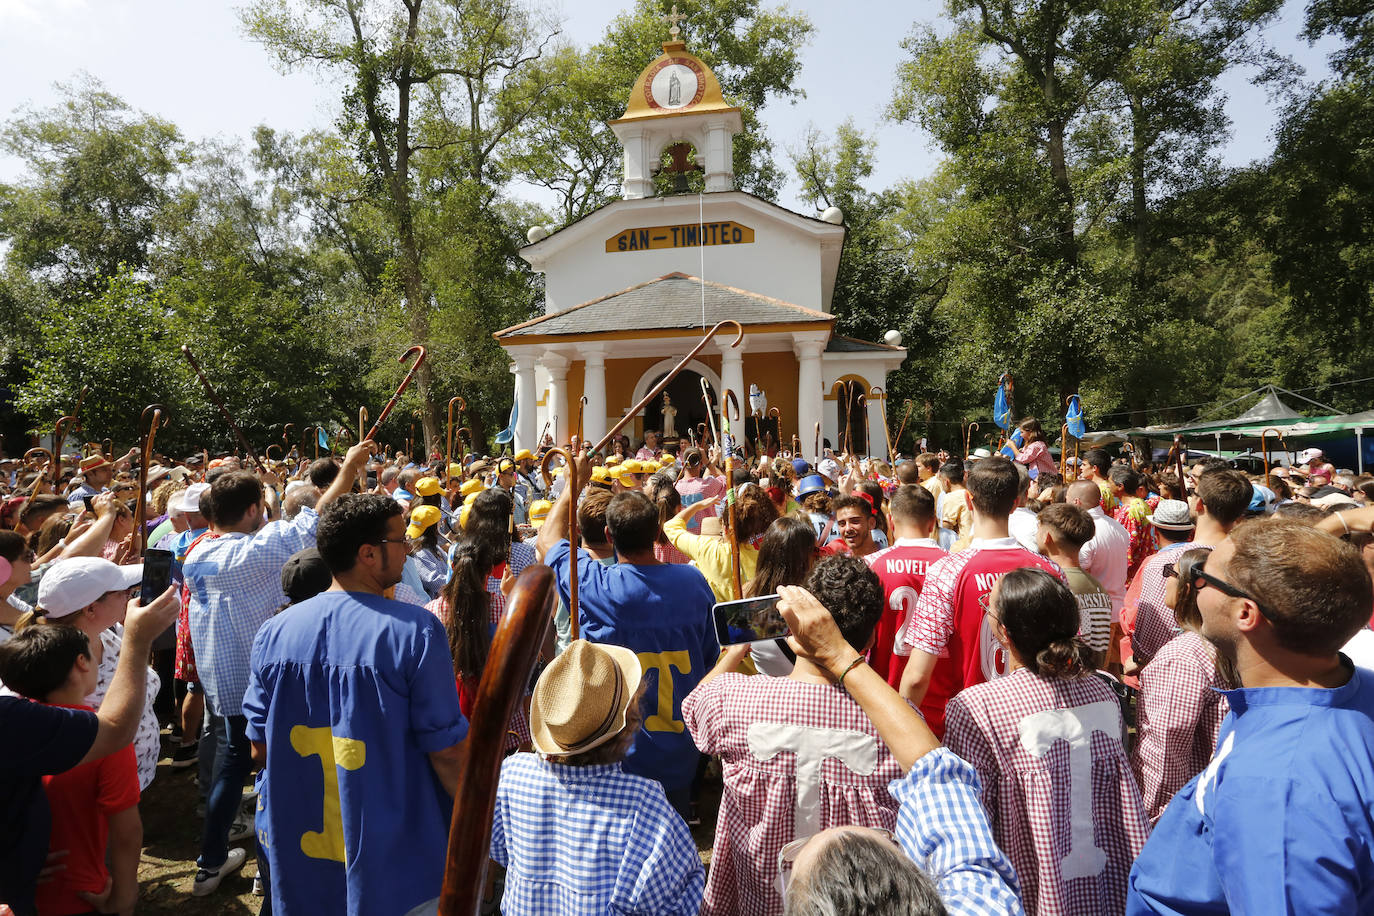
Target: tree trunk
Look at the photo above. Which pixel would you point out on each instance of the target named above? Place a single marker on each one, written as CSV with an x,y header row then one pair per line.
x,y
1139,211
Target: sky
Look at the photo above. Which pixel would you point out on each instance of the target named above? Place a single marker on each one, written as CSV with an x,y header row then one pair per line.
x,y
189,61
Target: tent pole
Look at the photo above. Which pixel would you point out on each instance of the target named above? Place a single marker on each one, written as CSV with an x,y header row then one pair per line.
x,y
1218,437
1359,450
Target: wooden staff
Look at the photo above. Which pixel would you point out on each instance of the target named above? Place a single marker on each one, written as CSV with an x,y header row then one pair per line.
x,y
703,434
581,403
905,416
59,433
968,437
710,410
818,441
776,414
882,404
76,414
268,451
148,426
863,412
107,447
569,468
796,445
215,398
514,650
1175,457
448,454
730,403
1264,448
672,374
42,477
842,387
405,383
1064,452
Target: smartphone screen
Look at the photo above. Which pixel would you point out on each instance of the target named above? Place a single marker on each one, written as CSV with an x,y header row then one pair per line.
x,y
157,575
748,620
90,503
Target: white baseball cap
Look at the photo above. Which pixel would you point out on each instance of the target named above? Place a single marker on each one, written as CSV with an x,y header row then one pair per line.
x,y
190,497
1311,454
71,585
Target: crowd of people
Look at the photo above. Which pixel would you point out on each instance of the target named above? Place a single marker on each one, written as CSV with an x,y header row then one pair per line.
x,y
1009,685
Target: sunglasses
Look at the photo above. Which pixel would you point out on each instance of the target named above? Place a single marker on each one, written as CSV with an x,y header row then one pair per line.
x,y
1201,579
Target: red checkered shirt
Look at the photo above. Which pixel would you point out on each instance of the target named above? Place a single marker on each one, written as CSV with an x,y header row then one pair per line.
x,y
902,570
1057,785
797,758
1150,621
1180,714
667,553
950,623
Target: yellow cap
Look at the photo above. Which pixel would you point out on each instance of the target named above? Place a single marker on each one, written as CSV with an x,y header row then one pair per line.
x,y
463,517
624,476
650,467
422,519
633,466
472,486
455,470
523,454
539,511
612,461
601,475
471,498
428,486
666,459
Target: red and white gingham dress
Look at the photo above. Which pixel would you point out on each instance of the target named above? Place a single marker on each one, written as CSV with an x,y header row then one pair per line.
x,y
1070,831
1180,715
774,794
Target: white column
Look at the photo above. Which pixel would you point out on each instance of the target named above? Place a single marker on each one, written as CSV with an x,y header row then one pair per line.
x,y
732,379
809,394
594,389
719,156
555,405
526,399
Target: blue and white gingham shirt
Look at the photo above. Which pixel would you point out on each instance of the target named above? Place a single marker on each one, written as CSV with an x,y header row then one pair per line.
x,y
235,583
942,826
591,840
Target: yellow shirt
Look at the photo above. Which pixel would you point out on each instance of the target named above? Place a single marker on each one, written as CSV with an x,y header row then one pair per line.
x,y
711,555
955,513
934,485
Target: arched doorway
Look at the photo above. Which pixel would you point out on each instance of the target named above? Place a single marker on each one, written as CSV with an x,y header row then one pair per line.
x,y
851,415
684,393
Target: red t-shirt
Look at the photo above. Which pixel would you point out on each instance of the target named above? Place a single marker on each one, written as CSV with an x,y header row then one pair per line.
x,y
950,622
902,570
82,800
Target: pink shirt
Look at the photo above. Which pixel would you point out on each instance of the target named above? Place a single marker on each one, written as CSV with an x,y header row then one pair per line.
x,y
693,490
1036,457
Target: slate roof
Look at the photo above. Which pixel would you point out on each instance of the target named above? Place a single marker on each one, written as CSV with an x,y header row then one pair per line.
x,y
671,302
840,344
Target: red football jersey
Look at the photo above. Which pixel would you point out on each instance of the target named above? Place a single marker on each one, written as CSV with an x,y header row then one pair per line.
x,y
950,622
902,570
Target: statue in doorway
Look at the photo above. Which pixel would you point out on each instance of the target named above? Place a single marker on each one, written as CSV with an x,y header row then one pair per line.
x,y
669,418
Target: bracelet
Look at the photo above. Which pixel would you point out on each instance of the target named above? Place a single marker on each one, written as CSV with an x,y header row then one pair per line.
x,y
856,661
1342,521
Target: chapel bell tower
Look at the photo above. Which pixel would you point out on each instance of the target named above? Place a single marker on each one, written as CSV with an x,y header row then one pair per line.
x,y
677,101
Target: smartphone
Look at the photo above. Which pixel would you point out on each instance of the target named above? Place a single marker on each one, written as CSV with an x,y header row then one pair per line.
x,y
90,503
748,620
157,575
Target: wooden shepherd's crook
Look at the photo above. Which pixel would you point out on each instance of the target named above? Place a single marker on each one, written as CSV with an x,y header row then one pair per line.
x,y
215,399
672,374
574,490
905,416
730,404
400,390
59,432
710,412
1264,448
968,436
514,649
1064,452
581,403
881,395
448,454
776,414
148,431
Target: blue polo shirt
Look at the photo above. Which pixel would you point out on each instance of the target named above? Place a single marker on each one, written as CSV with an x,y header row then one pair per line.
x,y
663,613
351,692
1282,820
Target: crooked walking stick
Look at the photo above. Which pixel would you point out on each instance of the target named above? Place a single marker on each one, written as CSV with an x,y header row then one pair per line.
x,y
1264,448
514,650
710,410
581,403
448,454
400,390
43,472
267,452
887,434
59,433
215,399
776,415
796,445
1064,453
862,400
731,404
672,374
153,416
818,441
968,436
574,490
905,416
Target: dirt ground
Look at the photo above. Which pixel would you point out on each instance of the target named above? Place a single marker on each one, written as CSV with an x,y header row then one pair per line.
x,y
171,838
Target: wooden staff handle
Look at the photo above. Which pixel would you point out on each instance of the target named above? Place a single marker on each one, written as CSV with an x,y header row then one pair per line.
x,y
887,434
574,489
405,383
514,650
218,402
153,416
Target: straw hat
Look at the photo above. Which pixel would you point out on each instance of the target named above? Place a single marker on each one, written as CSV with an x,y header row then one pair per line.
x,y
582,698
1171,515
